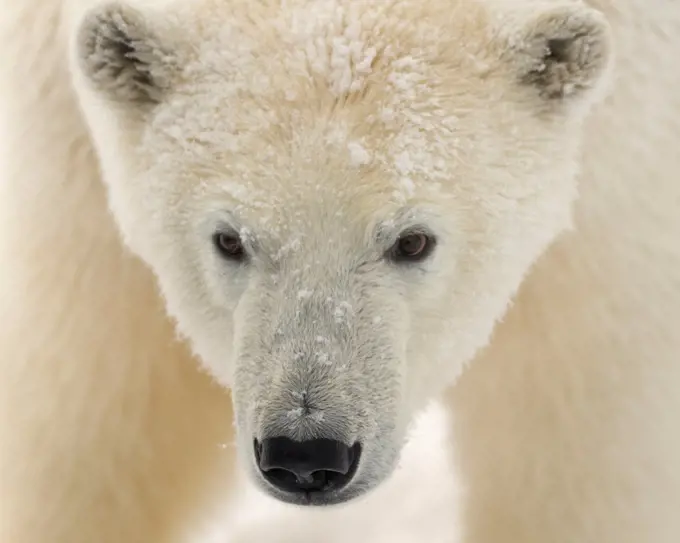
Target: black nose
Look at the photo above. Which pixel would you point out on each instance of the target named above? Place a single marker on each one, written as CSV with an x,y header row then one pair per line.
x,y
319,465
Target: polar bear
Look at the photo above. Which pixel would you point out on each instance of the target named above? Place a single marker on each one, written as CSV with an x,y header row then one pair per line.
x,y
337,211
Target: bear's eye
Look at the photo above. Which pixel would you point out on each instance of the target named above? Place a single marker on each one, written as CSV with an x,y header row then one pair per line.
x,y
412,247
230,246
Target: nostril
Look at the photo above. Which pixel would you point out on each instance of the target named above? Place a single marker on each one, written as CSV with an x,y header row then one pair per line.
x,y
317,465
306,457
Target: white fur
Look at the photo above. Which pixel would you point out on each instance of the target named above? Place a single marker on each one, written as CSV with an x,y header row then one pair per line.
x,y
309,129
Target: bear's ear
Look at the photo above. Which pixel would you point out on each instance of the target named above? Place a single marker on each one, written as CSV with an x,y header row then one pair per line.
x,y
121,56
562,52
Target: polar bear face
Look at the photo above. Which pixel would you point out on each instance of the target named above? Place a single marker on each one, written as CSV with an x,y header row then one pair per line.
x,y
339,199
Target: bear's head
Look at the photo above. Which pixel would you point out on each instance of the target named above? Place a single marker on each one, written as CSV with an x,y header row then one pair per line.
x,y
339,198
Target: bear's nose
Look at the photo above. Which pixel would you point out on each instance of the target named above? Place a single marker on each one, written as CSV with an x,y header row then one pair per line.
x,y
318,465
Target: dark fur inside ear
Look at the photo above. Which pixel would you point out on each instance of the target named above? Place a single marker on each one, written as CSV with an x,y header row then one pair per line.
x,y
565,52
121,56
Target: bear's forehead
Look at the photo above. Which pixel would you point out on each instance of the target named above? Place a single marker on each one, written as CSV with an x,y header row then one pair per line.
x,y
312,165
302,202
286,133
339,44
374,81
324,106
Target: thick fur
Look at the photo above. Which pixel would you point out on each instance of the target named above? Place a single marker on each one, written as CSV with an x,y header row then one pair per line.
x,y
567,424
340,128
109,432
318,133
